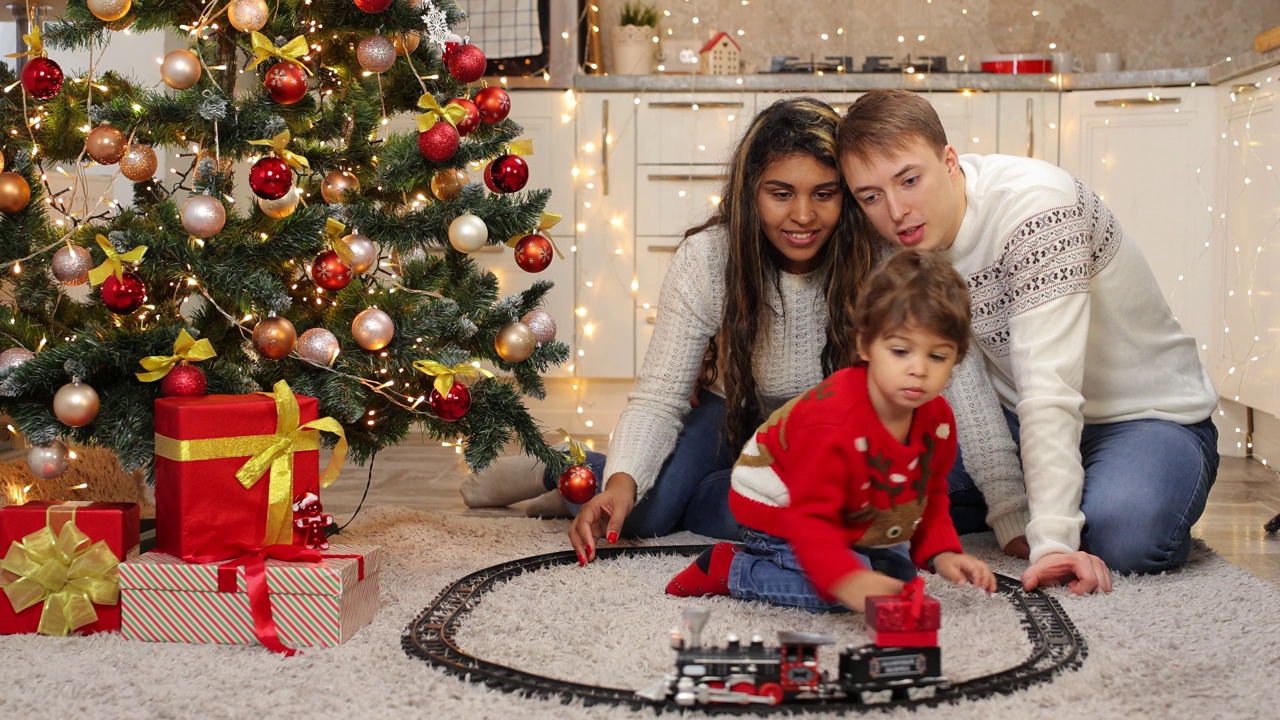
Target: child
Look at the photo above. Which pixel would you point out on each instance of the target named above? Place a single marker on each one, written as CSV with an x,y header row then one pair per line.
x,y
838,479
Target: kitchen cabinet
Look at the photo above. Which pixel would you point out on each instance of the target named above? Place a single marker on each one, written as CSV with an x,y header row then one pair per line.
x,y
1029,124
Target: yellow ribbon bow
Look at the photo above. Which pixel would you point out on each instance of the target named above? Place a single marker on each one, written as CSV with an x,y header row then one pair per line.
x,y
184,348
278,143
452,114
114,264
33,42
545,223
445,375
577,451
65,572
336,231
292,51
278,458
523,148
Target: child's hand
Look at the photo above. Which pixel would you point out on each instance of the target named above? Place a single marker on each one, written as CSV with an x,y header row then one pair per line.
x,y
854,589
963,569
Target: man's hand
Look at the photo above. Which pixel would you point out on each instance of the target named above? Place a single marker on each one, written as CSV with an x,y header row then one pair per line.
x,y
602,516
1018,548
962,569
1081,572
854,589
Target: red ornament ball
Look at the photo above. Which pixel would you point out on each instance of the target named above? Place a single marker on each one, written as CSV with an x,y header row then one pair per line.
x,y
270,178
125,295
439,143
184,380
533,253
286,83
506,174
329,272
452,405
494,103
373,6
472,121
42,78
577,484
466,63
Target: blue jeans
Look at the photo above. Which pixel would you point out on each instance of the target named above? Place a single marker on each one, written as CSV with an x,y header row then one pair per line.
x,y
767,569
1145,485
691,491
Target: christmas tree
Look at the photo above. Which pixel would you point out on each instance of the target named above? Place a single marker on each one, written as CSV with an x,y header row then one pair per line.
x,y
348,277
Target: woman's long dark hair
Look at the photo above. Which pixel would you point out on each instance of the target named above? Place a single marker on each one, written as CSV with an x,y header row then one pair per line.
x,y
797,126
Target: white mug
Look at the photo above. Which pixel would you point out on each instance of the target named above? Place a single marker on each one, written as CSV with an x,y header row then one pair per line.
x,y
1065,62
1107,62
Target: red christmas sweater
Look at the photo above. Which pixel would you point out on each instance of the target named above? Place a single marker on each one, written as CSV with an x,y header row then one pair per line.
x,y
824,474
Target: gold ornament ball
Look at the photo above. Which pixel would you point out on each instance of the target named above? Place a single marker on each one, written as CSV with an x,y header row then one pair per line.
x,y
15,193
319,346
105,144
139,163
248,15
373,329
376,53
447,183
274,337
203,216
71,265
282,208
75,404
180,69
48,462
405,42
364,254
109,10
336,186
515,342
1,163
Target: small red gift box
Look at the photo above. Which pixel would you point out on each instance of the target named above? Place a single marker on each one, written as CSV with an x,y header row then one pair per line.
x,y
89,571
229,466
895,621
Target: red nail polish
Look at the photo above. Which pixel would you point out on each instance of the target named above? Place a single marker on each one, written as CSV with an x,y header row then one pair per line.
x,y
582,561
613,536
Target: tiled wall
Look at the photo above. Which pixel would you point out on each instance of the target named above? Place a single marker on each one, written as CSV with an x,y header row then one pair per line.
x,y
1149,34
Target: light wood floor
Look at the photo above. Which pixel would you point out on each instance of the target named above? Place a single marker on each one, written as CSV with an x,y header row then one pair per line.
x,y
425,475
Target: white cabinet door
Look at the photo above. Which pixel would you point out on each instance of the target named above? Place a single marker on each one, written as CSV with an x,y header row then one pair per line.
x,y
1151,159
970,119
1029,124
683,128
1247,367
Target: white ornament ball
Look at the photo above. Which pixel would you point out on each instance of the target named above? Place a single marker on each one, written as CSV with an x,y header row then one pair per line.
x,y
373,329
542,324
468,233
203,216
48,462
75,404
318,346
180,69
281,208
364,254
248,15
13,358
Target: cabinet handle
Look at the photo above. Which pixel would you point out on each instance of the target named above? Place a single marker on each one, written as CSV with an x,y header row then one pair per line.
x,y
673,177
1138,101
663,248
711,105
1031,128
604,148
1241,89
652,319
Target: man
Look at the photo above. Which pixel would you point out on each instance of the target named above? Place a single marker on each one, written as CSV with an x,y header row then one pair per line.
x,y
1102,390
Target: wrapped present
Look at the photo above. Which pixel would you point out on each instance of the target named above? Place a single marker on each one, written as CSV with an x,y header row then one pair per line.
x,y
284,597
228,467
909,619
59,568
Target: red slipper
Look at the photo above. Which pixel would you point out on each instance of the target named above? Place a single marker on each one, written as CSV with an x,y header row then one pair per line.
x,y
708,575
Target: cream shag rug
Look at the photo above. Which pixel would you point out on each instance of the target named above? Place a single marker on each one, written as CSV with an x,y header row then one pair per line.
x,y
1200,643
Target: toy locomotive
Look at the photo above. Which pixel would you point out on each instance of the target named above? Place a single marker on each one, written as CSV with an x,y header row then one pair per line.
x,y
904,654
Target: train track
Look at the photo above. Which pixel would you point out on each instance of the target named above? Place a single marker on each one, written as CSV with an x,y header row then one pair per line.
x,y
1056,646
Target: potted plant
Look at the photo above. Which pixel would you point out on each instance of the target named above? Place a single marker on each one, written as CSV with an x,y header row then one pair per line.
x,y
634,39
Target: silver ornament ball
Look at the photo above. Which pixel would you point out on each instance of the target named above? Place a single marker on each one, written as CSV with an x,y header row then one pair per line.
x,y
318,346
515,342
542,325
75,404
180,69
48,462
13,358
364,254
399,260
468,233
71,265
373,329
203,216
248,15
376,53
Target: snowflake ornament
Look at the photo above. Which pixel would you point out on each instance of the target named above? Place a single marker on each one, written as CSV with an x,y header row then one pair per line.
x,y
437,25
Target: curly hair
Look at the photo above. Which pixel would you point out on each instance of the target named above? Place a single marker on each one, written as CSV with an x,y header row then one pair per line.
x,y
915,288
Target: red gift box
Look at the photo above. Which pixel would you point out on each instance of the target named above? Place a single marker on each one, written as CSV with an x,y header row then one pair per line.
x,y
896,621
202,443
115,524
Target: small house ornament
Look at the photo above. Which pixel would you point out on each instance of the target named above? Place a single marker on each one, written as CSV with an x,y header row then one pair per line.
x,y
720,56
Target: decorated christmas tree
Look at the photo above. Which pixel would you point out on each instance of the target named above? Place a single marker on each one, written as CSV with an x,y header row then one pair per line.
x,y
347,275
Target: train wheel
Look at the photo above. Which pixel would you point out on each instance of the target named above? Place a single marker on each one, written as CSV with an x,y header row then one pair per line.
x,y
743,687
772,690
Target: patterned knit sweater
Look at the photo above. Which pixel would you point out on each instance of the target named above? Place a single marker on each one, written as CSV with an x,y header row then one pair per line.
x,y
1073,327
787,358
824,474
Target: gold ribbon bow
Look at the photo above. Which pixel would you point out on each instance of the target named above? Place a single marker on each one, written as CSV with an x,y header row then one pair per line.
x,y
278,143
278,458
33,42
114,264
65,572
452,114
577,451
445,375
184,348
336,231
292,51
545,223
523,148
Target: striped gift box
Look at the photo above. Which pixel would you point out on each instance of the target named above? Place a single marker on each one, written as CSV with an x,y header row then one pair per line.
x,y
163,599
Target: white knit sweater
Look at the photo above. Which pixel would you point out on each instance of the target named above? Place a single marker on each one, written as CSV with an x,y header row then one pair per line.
x,y
787,358
1074,330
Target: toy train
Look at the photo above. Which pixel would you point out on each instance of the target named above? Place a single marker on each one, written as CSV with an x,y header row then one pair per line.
x,y
904,654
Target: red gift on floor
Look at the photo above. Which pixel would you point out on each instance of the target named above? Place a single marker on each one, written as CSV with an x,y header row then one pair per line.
x,y
228,467
59,570
910,619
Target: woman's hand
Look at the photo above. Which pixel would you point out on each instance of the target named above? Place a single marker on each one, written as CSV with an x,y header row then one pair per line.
x,y
602,516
